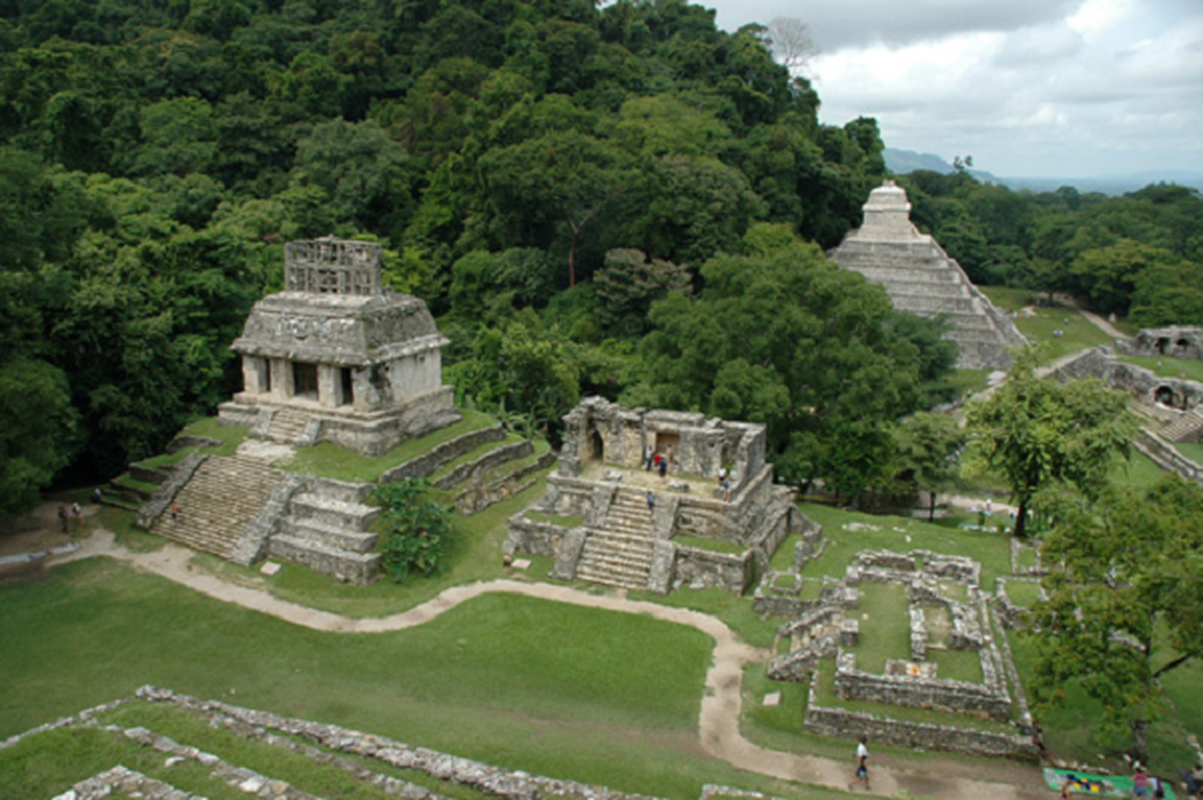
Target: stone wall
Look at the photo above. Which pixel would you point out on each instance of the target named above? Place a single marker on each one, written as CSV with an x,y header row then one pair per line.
x,y
429,462
957,696
706,569
1167,456
498,455
841,723
1143,384
154,508
1177,341
537,538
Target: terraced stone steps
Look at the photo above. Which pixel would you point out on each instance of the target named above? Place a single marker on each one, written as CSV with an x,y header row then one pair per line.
x,y
217,504
1187,428
619,552
287,426
326,529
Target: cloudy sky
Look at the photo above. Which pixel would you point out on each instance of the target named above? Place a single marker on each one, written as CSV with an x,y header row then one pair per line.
x,y
1029,88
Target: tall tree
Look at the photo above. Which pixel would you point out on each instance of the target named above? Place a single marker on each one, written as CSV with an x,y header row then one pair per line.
x,y
786,338
1037,432
1125,596
927,446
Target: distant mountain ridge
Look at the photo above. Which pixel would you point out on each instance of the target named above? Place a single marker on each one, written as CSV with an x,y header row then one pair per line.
x,y
902,162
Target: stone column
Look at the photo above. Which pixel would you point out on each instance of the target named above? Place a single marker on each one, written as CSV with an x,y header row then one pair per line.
x,y
282,387
329,385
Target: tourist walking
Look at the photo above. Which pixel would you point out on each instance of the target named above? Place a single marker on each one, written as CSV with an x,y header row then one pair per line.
x,y
651,500
647,457
175,513
1140,782
78,513
862,763
663,465
64,517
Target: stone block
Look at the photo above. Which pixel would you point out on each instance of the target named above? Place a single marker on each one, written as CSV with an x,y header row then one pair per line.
x,y
849,633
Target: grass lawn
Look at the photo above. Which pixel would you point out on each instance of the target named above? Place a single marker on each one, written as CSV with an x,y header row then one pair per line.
x,y
1140,471
1077,332
614,699
968,381
992,550
885,628
1192,450
332,461
1023,593
1169,367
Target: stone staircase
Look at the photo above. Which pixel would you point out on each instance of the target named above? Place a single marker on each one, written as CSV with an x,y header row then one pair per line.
x,y
1188,427
922,279
217,504
619,552
288,426
325,529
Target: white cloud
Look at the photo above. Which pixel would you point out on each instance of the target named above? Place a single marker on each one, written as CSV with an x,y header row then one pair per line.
x,y
1066,88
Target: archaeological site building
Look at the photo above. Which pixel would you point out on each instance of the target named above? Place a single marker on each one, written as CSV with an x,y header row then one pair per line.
x,y
922,279
608,519
338,357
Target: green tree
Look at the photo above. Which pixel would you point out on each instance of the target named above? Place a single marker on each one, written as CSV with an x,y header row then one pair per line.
x,y
627,285
1125,596
786,338
1038,432
417,530
38,437
926,450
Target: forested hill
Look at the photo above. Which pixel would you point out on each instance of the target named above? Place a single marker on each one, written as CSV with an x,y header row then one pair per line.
x,y
625,201
156,156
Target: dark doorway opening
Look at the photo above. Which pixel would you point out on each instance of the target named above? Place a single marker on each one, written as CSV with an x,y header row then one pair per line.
x,y
599,446
304,380
1164,395
1163,344
348,386
265,375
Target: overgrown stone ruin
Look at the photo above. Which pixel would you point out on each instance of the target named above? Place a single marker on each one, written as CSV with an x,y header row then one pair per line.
x,y
1171,408
946,611
366,759
337,357
922,279
596,520
1176,341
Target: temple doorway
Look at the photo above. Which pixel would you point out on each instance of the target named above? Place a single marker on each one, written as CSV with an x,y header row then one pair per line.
x,y
599,446
304,380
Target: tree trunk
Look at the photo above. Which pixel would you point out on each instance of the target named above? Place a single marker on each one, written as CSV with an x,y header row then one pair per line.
x,y
572,259
1021,519
931,511
1140,740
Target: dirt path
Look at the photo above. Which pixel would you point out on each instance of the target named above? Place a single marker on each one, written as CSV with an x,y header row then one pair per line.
x,y
718,724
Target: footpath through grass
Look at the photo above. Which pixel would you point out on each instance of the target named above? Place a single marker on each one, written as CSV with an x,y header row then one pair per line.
x,y
553,689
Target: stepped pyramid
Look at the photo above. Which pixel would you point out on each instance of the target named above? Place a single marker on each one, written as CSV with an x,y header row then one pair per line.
x,y
922,279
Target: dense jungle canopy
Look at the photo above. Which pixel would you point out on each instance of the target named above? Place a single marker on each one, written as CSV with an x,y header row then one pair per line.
x,y
583,195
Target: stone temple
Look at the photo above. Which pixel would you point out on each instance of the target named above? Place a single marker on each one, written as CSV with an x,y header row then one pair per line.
x,y
596,520
339,357
336,357
922,279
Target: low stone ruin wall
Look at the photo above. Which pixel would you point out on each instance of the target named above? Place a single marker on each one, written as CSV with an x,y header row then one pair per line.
x,y
1167,456
537,538
982,699
428,463
844,724
706,569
